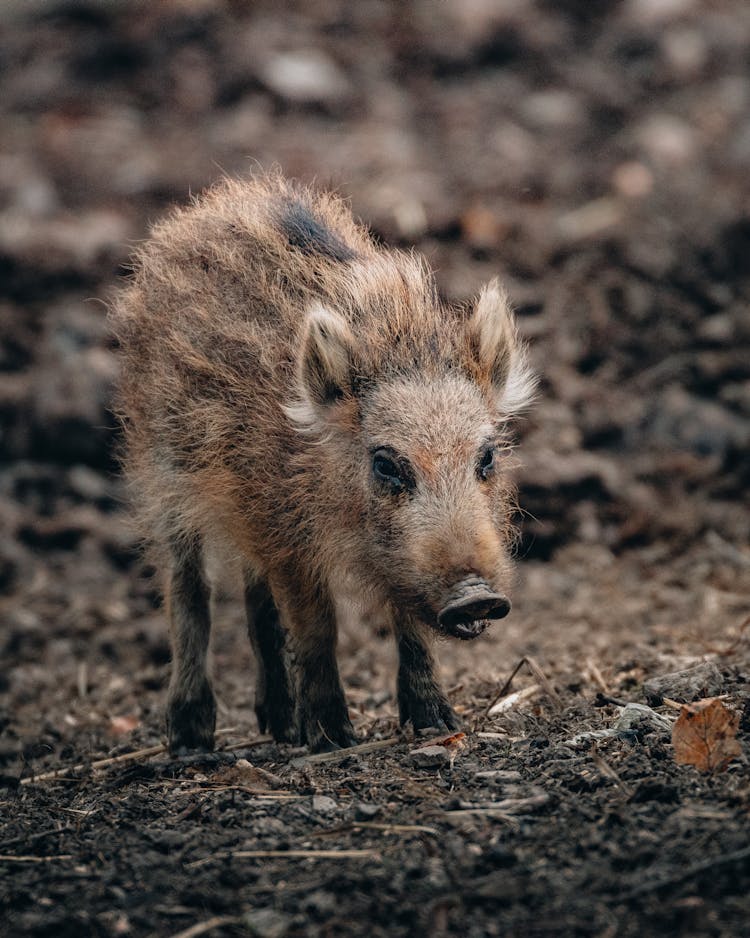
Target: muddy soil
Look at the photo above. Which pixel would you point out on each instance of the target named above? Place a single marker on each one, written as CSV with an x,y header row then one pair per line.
x,y
595,155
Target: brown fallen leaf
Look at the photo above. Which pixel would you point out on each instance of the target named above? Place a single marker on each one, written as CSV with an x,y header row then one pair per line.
x,y
481,228
121,726
452,743
704,735
455,740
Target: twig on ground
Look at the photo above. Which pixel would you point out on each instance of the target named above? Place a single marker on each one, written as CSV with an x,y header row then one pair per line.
x,y
201,928
537,673
82,680
542,679
507,685
290,854
9,858
375,826
468,814
596,675
38,835
98,764
337,754
609,772
249,743
257,792
146,753
307,854
396,828
515,699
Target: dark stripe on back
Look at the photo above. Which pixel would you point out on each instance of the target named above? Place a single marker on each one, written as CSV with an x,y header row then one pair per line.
x,y
310,235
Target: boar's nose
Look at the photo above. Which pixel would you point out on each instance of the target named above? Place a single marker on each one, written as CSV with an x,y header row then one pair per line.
x,y
472,604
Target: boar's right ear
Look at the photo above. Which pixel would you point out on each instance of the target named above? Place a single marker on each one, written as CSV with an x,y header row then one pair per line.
x,y
325,365
499,352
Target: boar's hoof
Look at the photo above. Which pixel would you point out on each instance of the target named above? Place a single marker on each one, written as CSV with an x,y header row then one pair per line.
x,y
191,723
428,713
277,717
324,722
326,745
280,726
329,740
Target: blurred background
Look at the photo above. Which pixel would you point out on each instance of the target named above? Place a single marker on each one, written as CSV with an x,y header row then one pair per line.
x,y
594,153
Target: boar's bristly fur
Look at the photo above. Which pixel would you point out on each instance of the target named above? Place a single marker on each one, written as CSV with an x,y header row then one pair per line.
x,y
300,397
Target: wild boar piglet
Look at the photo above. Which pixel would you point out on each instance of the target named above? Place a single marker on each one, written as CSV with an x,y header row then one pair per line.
x,y
299,397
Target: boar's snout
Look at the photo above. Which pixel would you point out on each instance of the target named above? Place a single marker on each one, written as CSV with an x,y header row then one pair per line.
x,y
470,608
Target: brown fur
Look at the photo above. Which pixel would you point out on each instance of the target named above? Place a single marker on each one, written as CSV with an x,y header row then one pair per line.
x,y
269,346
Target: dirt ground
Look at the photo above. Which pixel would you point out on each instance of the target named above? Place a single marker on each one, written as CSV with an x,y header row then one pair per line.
x,y
595,155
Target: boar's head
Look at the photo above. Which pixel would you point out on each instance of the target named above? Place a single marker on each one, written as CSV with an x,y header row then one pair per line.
x,y
411,411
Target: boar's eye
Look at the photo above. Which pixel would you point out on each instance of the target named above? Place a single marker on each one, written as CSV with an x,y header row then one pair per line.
x,y
486,463
387,470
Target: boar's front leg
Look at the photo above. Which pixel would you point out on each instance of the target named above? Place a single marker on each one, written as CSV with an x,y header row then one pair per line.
x,y
191,707
323,715
420,698
274,699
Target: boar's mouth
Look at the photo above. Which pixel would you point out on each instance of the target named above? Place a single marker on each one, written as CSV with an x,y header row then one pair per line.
x,y
471,608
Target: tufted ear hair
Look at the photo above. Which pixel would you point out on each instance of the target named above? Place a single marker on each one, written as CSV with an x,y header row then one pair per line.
x,y
325,367
499,352
326,358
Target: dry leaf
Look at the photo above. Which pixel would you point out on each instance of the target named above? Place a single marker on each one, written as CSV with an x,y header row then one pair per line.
x,y
456,740
704,735
481,228
244,773
120,726
452,743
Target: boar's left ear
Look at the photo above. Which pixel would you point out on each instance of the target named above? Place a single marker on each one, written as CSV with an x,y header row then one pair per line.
x,y
499,352
325,365
326,361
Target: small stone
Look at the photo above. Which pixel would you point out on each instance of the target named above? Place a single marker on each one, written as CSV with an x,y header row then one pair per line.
x,y
633,719
430,757
379,697
686,51
653,12
704,680
268,923
366,810
306,77
322,804
553,110
667,140
719,328
636,717
633,179
590,220
321,903
88,484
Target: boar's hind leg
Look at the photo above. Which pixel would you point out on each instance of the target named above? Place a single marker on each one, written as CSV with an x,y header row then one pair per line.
x,y
323,716
420,699
191,708
274,700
